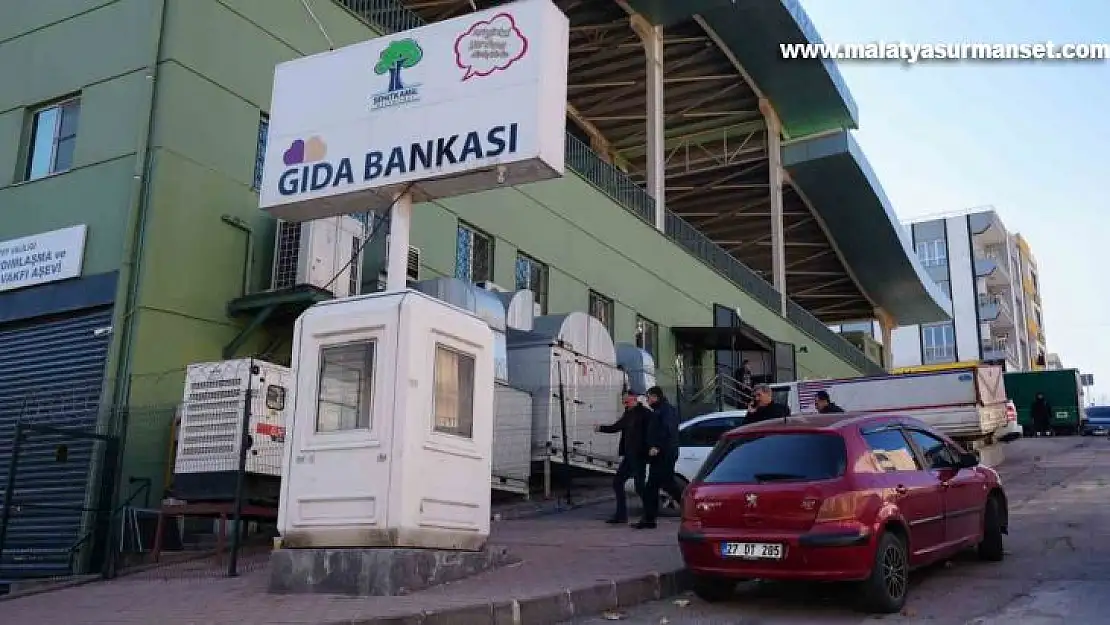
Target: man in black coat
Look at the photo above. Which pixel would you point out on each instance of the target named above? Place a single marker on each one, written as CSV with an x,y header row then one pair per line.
x,y
1041,412
764,407
662,443
825,404
632,448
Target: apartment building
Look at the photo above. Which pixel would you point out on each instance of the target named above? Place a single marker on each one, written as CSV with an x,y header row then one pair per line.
x,y
1030,302
991,277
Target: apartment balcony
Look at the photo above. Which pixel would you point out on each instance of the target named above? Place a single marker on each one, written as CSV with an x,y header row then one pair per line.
x,y
996,311
987,228
993,272
998,352
997,254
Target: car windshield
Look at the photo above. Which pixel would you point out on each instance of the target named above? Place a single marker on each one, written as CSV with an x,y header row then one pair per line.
x,y
776,457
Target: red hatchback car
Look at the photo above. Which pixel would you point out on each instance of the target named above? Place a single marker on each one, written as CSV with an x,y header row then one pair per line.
x,y
837,498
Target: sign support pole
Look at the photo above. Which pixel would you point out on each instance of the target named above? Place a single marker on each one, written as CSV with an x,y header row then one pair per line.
x,y
400,227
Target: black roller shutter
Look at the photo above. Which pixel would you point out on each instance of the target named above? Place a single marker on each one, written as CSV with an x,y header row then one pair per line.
x,y
51,372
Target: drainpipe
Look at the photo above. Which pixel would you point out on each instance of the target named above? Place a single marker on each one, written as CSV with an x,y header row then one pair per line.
x,y
123,318
244,227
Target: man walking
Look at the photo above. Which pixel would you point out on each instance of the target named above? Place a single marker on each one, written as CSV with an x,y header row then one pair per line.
x,y
1041,412
763,406
825,404
662,442
632,449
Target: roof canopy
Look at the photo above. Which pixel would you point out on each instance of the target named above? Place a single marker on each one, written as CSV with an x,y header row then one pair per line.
x,y
834,174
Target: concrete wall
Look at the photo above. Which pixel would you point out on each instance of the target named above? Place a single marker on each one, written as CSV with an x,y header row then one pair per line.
x,y
965,302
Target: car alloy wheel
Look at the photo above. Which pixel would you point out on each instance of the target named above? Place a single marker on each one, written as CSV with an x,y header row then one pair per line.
x,y
895,571
884,591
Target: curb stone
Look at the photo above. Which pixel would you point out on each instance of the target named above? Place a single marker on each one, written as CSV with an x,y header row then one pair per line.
x,y
565,605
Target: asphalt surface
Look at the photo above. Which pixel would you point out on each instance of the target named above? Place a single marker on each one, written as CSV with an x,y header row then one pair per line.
x,y
1057,567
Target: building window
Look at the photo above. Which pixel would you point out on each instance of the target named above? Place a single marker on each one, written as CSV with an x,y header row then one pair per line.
x,y
946,287
938,343
531,274
454,392
932,253
346,387
647,336
260,150
601,308
473,255
53,137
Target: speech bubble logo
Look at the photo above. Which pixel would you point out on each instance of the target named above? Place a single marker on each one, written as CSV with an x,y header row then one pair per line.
x,y
489,46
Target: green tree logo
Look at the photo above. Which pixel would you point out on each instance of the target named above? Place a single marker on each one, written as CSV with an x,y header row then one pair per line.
x,y
397,56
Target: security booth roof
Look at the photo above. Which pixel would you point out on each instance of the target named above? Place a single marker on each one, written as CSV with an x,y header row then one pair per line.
x,y
833,172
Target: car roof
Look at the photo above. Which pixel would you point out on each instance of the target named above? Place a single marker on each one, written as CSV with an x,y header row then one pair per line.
x,y
826,422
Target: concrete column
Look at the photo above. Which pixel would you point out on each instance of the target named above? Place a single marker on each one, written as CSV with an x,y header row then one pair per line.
x,y
778,236
886,326
652,38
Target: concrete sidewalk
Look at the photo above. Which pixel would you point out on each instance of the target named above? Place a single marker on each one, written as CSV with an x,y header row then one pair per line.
x,y
572,565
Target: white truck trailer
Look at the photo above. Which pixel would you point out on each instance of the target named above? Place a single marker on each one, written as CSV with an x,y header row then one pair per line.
x,y
966,403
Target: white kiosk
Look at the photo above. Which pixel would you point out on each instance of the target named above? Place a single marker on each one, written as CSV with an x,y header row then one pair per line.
x,y
386,480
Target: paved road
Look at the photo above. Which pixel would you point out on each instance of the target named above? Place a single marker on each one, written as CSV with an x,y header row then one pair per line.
x,y
1056,570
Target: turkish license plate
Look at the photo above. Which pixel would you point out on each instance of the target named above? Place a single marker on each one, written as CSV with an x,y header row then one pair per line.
x,y
752,551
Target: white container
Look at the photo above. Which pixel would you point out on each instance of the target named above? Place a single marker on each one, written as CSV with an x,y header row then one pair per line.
x,y
368,463
576,351
512,439
211,427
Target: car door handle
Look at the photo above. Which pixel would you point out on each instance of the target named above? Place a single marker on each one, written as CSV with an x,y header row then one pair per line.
x,y
901,490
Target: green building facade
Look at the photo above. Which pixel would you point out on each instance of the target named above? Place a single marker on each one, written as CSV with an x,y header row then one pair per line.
x,y
160,162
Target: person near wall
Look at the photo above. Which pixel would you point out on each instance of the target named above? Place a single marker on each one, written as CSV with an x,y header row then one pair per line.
x,y
825,404
1041,412
763,406
632,448
662,445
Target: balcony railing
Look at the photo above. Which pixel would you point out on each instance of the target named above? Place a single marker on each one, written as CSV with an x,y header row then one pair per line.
x,y
993,308
389,16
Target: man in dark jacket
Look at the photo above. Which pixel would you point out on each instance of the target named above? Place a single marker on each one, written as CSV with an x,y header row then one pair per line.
x,y
662,442
763,406
1041,412
632,448
825,404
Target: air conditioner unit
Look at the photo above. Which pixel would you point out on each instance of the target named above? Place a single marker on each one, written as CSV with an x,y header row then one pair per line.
x,y
412,266
326,253
210,432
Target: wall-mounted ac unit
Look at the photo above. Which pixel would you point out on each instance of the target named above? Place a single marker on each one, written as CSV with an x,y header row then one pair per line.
x,y
326,253
412,266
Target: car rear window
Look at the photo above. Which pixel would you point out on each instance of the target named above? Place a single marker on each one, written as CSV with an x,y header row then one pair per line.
x,y
776,457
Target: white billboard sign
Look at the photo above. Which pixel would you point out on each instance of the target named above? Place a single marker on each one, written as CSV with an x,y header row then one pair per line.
x,y
42,258
458,106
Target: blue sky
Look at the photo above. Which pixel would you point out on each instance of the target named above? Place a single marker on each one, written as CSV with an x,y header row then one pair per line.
x,y
1029,138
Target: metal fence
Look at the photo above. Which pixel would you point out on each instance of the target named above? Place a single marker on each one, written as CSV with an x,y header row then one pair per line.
x,y
58,473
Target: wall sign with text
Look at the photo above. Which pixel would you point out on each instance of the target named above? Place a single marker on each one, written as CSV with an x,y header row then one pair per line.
x,y
42,258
